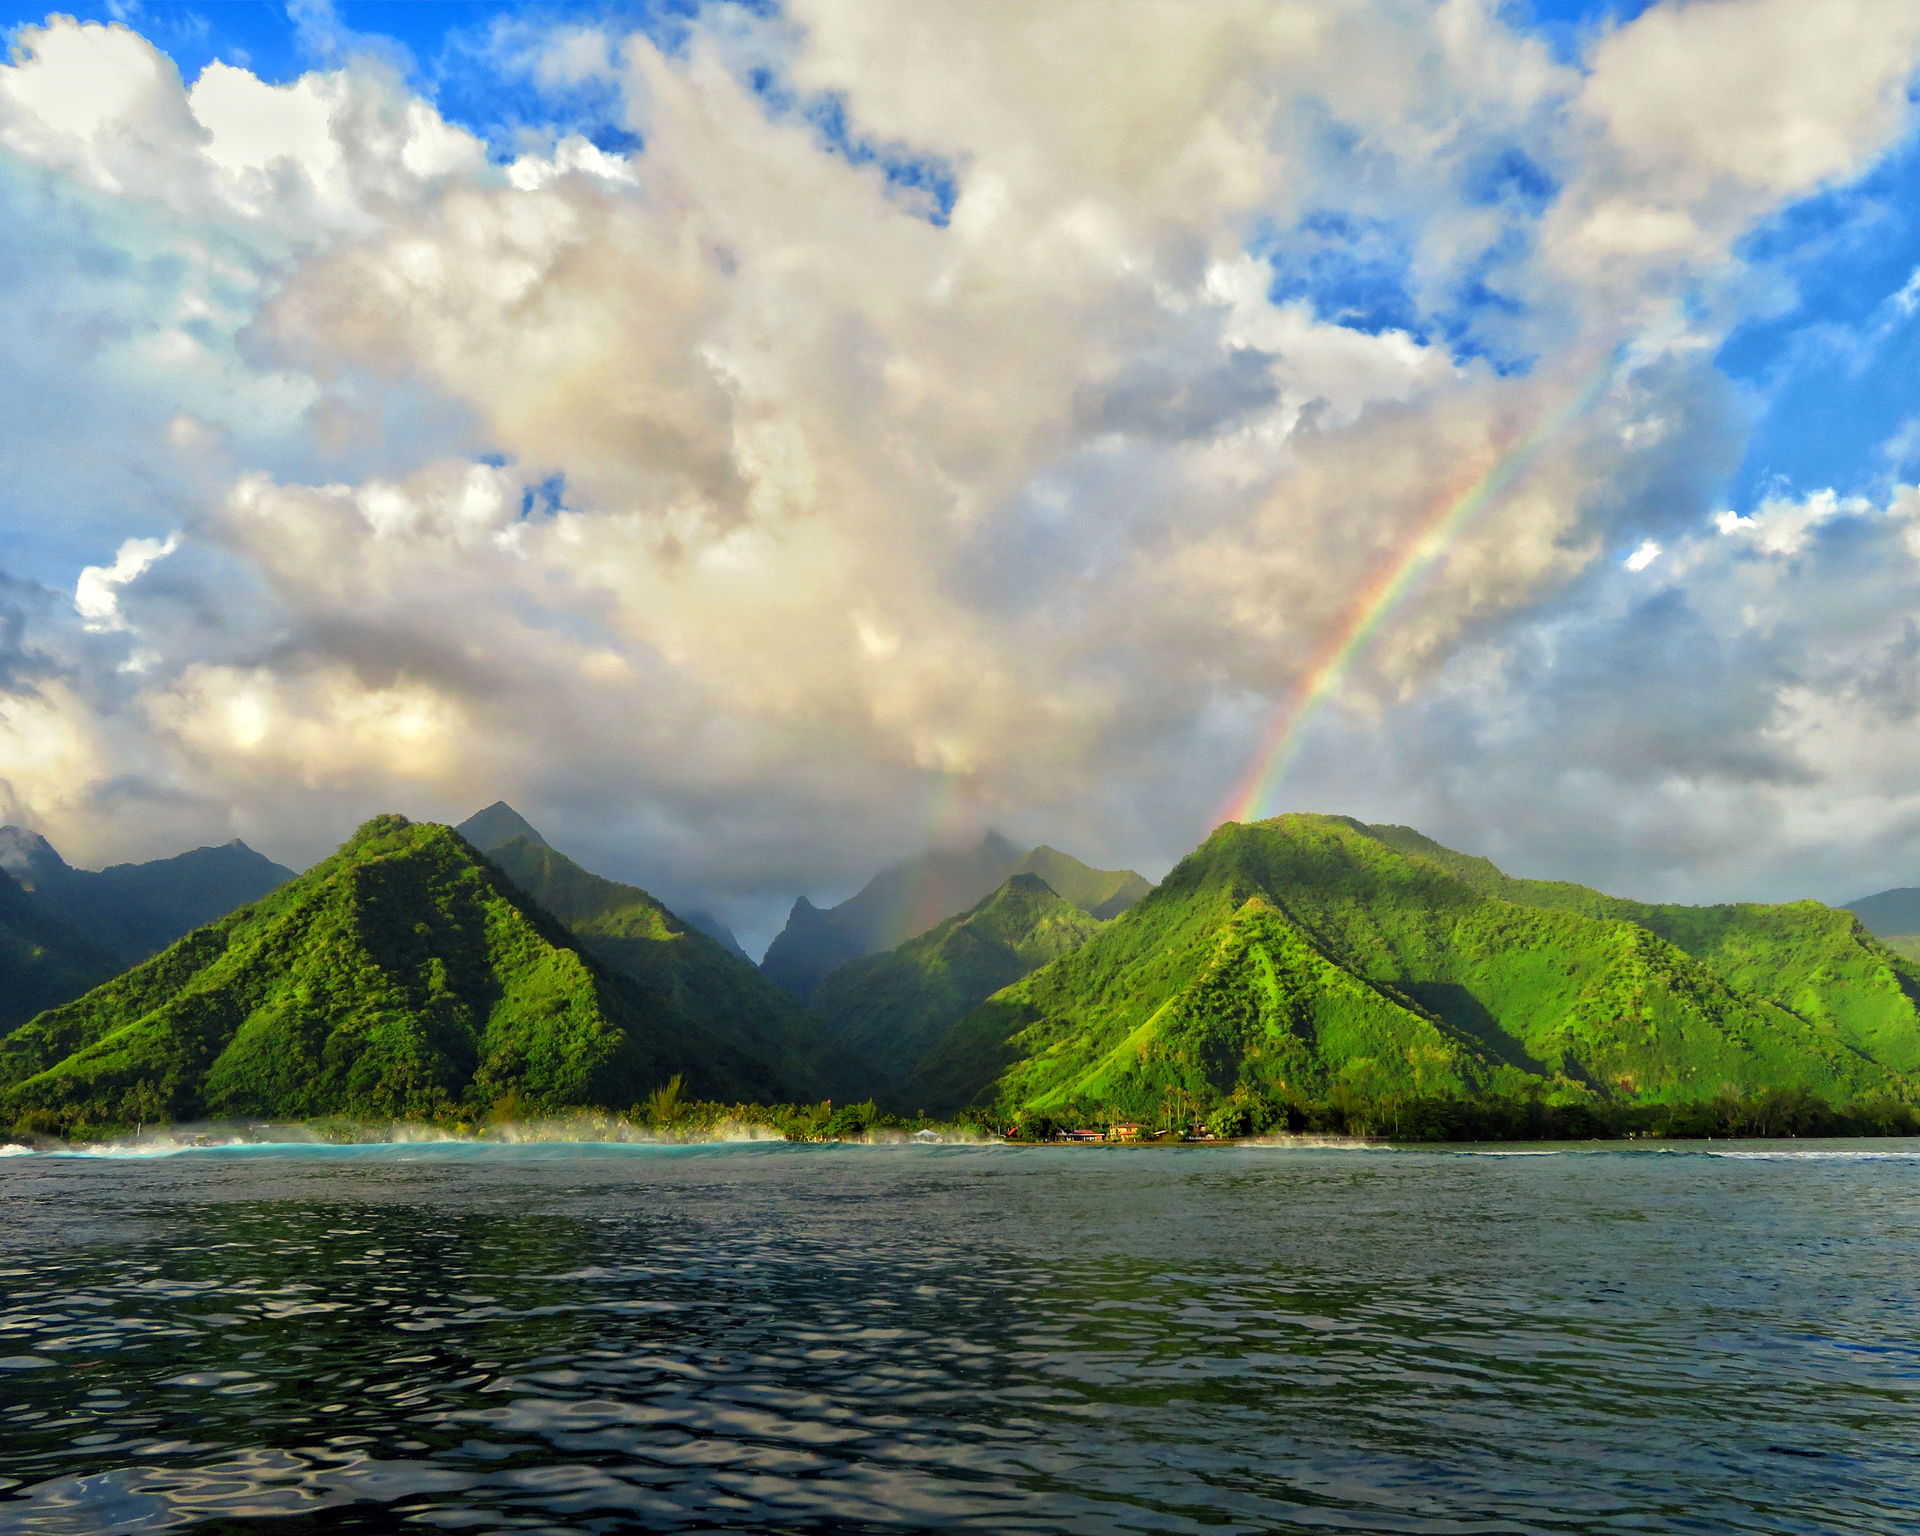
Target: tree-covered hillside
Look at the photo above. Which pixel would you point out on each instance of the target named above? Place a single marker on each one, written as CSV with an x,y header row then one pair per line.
x,y
1821,963
892,1009
1308,953
629,931
404,976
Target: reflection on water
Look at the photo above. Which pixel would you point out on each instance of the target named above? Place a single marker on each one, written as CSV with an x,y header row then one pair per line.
x,y
576,1338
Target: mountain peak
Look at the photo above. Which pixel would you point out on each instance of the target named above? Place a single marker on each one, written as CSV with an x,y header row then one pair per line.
x,y
499,823
28,856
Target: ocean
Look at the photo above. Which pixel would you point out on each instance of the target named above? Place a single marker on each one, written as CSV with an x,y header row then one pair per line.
x,y
564,1337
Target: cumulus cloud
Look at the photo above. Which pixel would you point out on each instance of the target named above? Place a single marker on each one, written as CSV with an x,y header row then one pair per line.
x,y
947,414
96,596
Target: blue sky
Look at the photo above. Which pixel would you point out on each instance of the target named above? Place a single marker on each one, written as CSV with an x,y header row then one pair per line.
x,y
759,440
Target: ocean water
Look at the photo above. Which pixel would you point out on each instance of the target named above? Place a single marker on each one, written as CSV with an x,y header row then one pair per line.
x,y
575,1338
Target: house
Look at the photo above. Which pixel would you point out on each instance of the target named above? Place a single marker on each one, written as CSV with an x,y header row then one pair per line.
x,y
1126,1130
1083,1134
1198,1131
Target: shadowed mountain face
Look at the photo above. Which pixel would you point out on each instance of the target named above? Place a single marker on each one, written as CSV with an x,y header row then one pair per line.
x,y
498,823
627,929
1893,917
893,1008
1307,953
43,962
719,932
910,898
131,911
404,976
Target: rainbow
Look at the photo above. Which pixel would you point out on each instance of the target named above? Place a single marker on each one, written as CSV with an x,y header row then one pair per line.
x,y
1451,513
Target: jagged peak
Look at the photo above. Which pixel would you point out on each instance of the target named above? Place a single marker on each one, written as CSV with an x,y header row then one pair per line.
x,y
498,824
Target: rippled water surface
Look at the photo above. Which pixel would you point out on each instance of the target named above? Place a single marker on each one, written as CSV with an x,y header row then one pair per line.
x,y
578,1338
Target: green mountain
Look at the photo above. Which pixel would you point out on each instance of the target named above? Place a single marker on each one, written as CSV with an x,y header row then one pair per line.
x,y
1311,954
43,962
135,910
1815,961
892,1009
403,976
908,899
626,929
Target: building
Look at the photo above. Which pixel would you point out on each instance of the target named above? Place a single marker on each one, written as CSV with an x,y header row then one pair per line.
x,y
1126,1130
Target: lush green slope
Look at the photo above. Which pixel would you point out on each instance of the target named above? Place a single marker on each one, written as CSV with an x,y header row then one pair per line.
x,y
404,976
43,962
627,929
1306,953
1819,963
892,1009
135,910
908,899
1101,893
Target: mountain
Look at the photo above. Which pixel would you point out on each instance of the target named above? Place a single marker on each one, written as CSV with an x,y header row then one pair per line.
x,y
1893,917
498,823
891,1009
911,897
719,932
1311,954
1815,961
135,910
403,976
627,930
43,962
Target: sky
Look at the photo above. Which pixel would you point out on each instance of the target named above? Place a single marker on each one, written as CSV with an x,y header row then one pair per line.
x,y
760,441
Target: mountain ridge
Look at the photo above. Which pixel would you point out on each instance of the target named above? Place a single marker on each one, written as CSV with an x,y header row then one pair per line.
x,y
893,1007
908,898
1215,984
403,976
135,910
631,931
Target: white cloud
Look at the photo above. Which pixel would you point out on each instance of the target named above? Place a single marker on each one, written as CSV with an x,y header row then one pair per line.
x,y
96,596
815,515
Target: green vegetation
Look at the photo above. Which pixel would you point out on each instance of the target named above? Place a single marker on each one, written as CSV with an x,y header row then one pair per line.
x,y
628,931
908,899
1304,974
403,978
43,962
893,1008
1769,1113
1312,956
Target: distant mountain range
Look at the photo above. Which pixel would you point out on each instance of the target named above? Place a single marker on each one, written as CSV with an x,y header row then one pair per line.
x,y
892,1009
427,971
63,930
908,899
1893,917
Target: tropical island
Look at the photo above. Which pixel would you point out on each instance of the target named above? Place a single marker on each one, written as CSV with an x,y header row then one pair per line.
x,y
1303,975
